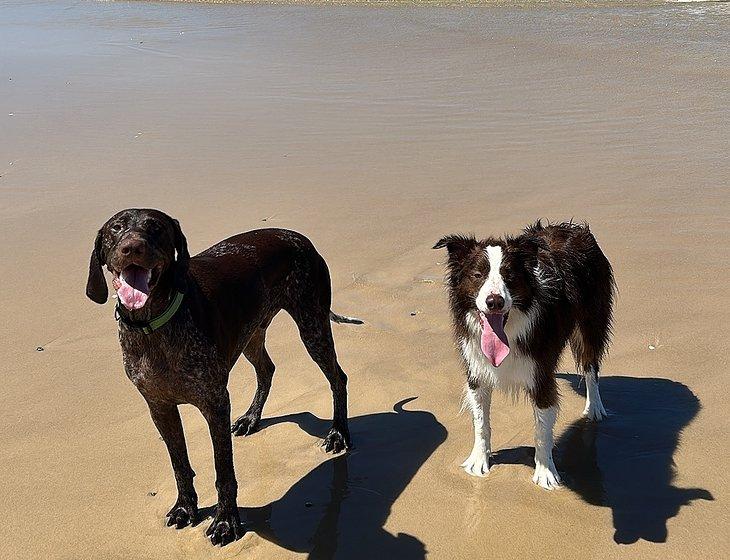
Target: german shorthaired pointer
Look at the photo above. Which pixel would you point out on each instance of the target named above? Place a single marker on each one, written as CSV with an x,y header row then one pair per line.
x,y
183,323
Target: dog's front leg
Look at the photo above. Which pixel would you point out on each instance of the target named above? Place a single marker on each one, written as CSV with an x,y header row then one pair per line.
x,y
226,526
479,400
546,475
167,420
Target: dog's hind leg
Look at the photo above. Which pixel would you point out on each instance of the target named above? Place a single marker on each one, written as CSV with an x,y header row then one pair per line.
x,y
585,359
594,409
256,353
592,334
316,332
588,344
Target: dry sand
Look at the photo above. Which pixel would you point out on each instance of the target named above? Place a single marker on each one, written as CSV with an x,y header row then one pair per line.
x,y
374,132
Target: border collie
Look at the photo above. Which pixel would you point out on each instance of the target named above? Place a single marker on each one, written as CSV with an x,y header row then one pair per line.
x,y
516,302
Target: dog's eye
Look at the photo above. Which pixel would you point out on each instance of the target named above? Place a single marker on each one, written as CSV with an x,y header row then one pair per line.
x,y
477,275
116,228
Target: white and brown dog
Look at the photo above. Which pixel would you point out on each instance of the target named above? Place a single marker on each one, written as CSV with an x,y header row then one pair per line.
x,y
516,302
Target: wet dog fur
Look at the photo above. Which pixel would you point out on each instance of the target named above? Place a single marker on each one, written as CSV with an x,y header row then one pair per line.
x,y
231,291
550,286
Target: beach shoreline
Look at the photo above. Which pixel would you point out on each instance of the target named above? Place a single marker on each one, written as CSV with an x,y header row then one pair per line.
x,y
374,133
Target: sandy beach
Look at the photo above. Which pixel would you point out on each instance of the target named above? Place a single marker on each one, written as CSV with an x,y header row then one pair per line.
x,y
374,131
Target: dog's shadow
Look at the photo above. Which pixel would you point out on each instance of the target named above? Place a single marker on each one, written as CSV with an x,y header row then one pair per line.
x,y
340,507
625,462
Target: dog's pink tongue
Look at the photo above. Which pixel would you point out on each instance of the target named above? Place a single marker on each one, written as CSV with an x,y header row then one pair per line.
x,y
134,288
494,342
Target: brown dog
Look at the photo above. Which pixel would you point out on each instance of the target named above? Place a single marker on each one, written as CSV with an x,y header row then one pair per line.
x,y
183,323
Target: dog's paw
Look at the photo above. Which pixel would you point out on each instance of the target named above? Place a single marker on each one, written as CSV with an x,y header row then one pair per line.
x,y
182,514
245,425
226,527
477,464
594,412
546,475
337,441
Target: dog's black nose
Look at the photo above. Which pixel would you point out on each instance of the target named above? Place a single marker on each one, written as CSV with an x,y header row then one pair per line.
x,y
495,302
134,246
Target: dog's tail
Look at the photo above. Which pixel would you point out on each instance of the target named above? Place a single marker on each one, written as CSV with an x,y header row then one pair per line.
x,y
335,318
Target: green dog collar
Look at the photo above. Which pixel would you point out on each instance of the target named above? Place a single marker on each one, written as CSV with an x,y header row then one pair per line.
x,y
157,322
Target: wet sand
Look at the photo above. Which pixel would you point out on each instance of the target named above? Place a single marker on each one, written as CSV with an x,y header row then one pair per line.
x,y
374,132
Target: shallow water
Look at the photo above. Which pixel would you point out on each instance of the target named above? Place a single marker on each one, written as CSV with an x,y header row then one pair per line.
x,y
491,86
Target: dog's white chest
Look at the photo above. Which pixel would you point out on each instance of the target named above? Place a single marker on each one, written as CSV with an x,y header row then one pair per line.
x,y
515,373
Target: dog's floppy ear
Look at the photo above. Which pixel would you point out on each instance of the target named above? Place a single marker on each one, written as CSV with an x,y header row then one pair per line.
x,y
182,261
528,246
456,245
96,289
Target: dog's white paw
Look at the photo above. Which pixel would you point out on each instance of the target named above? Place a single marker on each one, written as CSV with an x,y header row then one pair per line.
x,y
546,475
477,464
594,412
